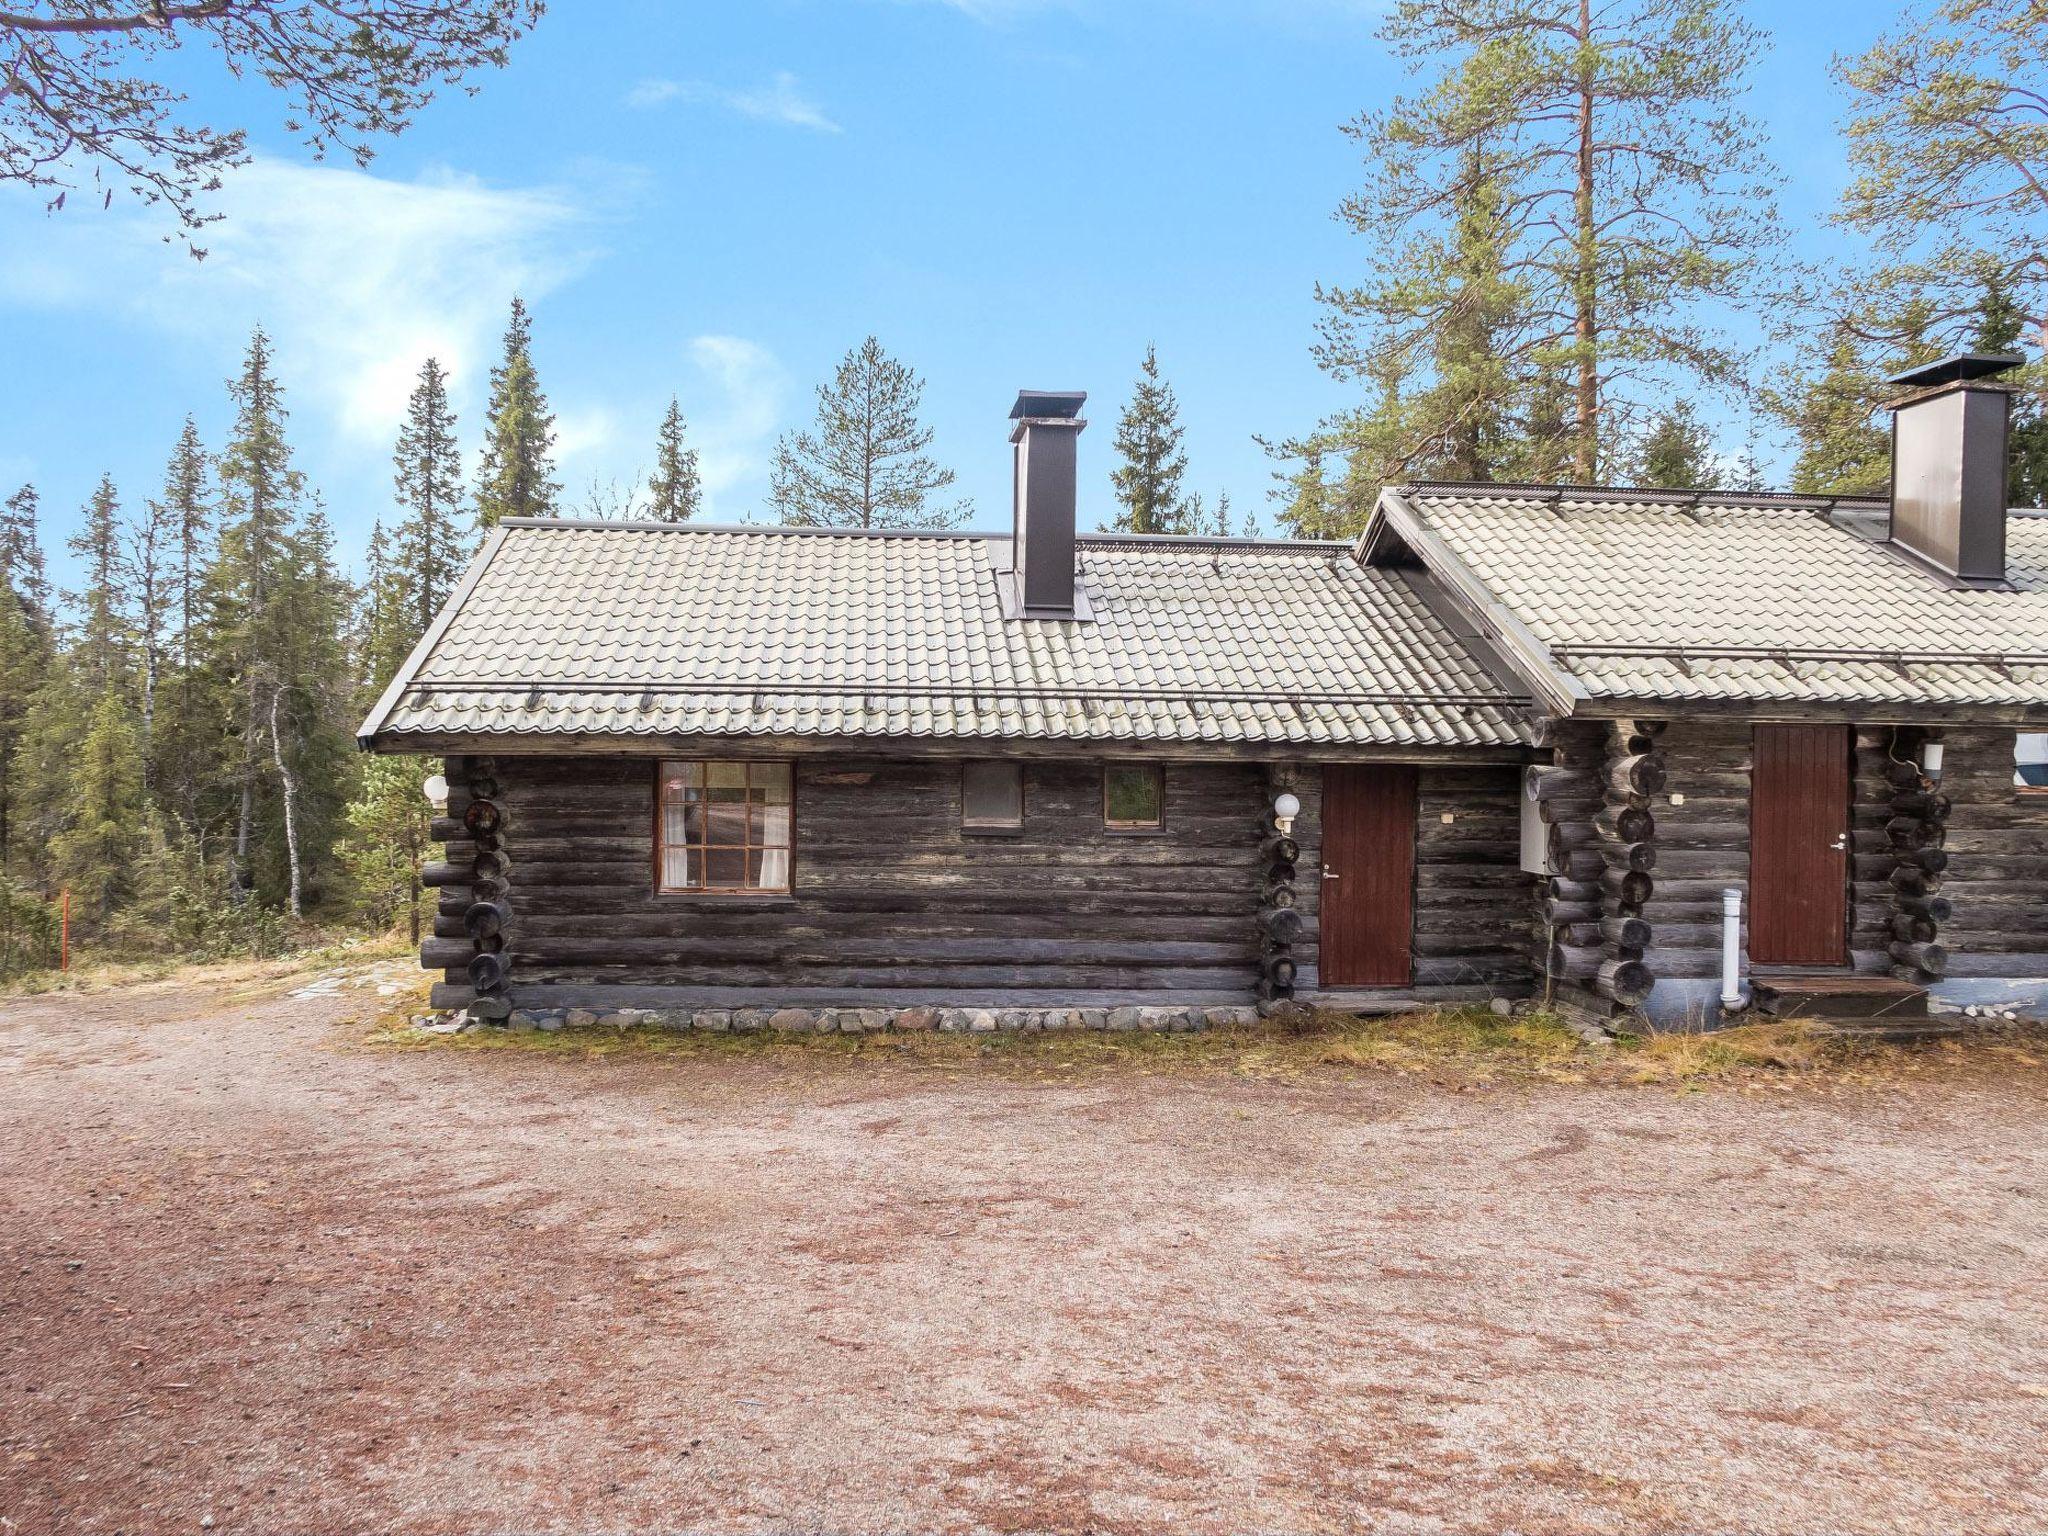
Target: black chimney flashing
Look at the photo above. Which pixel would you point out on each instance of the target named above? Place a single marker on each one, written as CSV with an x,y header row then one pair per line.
x,y
1958,368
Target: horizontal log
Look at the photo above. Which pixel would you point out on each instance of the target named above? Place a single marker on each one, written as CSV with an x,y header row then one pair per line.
x,y
488,972
1909,929
1915,880
1625,824
444,874
1561,782
1625,932
1281,923
1627,982
446,954
482,818
1629,887
1938,909
1909,832
1931,958
1641,857
1556,912
1641,774
484,919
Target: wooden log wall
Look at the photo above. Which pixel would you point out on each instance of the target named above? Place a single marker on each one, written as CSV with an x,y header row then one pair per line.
x,y
1995,883
891,898
1472,897
473,916
1280,921
1570,905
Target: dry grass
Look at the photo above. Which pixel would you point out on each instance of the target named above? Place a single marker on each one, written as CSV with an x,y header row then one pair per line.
x,y
1451,1046
249,978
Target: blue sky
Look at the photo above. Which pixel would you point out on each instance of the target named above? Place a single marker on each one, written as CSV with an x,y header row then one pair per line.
x,y
718,200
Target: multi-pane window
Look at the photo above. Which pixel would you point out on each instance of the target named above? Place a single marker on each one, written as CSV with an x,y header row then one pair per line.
x,y
992,796
1133,797
725,827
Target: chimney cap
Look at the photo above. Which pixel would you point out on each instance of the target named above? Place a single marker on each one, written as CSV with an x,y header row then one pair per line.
x,y
1957,368
1043,404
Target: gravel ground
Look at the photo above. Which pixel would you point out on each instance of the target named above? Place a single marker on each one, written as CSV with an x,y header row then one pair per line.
x,y
259,1272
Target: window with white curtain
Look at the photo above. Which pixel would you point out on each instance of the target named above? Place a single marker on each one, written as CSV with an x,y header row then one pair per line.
x,y
725,827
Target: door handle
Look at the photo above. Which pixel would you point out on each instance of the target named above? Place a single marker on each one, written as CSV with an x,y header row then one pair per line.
x,y
1841,843
1330,874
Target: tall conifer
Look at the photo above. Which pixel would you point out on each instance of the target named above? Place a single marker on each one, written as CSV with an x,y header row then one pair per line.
x,y
1148,475
674,491
516,476
427,468
863,464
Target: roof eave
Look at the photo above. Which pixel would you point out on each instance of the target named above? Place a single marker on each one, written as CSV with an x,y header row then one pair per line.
x,y
367,734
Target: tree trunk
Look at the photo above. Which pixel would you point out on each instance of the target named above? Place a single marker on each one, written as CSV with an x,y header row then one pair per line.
x,y
1585,458
291,796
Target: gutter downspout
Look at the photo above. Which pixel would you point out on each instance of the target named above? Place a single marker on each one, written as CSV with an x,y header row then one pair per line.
x,y
1732,1000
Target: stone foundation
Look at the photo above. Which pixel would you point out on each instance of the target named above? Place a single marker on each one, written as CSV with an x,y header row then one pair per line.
x,y
863,1021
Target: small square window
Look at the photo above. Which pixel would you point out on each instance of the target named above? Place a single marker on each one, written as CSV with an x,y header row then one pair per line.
x,y
723,827
992,796
1133,798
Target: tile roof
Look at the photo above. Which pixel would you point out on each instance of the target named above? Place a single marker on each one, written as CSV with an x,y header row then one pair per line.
x,y
629,630
1731,600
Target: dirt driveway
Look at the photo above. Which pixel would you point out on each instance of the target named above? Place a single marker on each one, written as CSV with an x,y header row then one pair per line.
x,y
258,1272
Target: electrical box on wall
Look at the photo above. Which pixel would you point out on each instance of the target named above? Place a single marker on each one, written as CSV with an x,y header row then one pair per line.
x,y
1535,833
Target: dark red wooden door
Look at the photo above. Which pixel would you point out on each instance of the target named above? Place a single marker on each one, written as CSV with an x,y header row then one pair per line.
x,y
1367,929
1799,845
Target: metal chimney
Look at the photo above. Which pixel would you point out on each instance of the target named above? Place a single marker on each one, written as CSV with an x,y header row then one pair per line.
x,y
1949,464
1047,424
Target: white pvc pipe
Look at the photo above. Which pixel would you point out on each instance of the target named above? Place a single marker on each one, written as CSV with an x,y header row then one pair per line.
x,y
1731,948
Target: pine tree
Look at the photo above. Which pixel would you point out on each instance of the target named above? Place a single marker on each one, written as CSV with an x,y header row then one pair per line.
x,y
24,668
1999,328
105,636
1677,453
428,475
1575,182
675,491
863,464
516,476
1148,437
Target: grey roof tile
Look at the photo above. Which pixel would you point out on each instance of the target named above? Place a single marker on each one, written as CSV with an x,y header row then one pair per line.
x,y
1730,600
625,631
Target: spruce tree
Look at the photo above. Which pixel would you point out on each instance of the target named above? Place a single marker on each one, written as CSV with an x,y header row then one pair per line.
x,y
250,620
674,492
185,739
148,563
25,655
1677,453
1148,437
863,463
427,468
21,555
94,851
105,633
516,475
1842,449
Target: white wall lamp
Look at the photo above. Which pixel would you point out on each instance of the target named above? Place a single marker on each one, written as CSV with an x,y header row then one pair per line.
x,y
436,791
1285,808
1930,759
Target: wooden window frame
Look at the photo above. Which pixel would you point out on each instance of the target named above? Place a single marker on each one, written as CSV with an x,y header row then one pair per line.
x,y
992,828
759,895
1116,828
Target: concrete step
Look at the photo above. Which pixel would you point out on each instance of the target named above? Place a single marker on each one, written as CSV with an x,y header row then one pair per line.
x,y
1833,995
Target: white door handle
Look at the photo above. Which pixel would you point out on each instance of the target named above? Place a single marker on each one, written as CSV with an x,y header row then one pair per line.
x,y
1841,843
1329,874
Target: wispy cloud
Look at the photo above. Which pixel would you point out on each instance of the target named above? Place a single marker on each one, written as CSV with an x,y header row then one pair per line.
x,y
747,387
781,100
358,278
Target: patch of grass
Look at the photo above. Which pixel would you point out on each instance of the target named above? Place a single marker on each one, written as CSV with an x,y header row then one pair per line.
x,y
1778,1045
1458,1047
1461,1045
253,978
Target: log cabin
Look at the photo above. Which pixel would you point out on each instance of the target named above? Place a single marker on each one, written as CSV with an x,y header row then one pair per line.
x,y
1511,741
